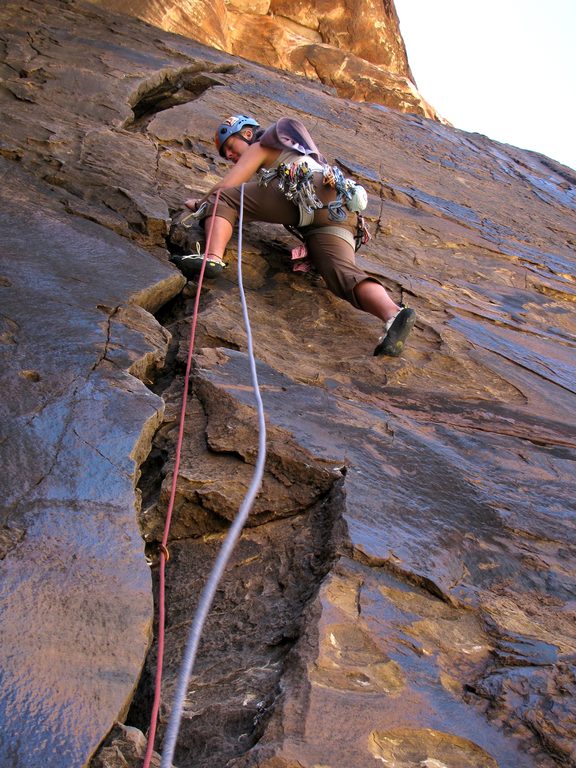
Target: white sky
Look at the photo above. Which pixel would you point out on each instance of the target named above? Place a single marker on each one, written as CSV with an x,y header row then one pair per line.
x,y
504,68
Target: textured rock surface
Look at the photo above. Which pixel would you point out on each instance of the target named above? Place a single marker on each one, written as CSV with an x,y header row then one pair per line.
x,y
76,425
354,46
405,588
125,747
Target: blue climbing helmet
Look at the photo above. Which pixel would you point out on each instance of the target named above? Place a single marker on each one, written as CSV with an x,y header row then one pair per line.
x,y
231,126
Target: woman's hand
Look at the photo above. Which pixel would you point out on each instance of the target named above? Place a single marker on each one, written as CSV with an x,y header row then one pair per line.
x,y
193,203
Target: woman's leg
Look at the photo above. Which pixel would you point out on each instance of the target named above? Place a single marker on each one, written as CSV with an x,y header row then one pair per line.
x,y
260,204
372,297
369,295
220,232
334,259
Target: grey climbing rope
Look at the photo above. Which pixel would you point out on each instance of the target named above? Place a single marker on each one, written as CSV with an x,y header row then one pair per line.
x,y
209,591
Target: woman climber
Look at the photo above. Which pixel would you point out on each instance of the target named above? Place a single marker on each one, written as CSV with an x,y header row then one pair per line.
x,y
308,196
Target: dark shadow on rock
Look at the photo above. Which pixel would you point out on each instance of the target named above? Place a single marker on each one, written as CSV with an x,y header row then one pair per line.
x,y
171,88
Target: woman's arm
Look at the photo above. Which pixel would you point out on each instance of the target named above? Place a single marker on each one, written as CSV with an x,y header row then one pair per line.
x,y
255,157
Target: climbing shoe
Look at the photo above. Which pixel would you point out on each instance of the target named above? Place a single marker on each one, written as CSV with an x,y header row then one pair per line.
x,y
191,264
396,331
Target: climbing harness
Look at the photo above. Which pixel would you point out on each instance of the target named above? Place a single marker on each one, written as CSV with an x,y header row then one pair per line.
x,y
299,255
209,591
296,181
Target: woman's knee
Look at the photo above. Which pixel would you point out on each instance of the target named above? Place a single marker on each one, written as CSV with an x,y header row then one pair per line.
x,y
223,208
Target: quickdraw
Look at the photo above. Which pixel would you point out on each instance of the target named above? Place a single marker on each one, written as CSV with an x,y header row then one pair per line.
x,y
347,192
296,181
363,235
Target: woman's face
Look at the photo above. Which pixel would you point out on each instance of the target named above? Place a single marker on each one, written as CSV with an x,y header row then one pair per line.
x,y
234,148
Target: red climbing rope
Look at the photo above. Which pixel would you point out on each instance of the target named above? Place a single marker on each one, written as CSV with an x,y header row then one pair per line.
x,y
164,555
230,540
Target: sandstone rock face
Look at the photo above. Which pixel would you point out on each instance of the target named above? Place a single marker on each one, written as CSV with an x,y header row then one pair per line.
x,y
76,424
404,588
354,46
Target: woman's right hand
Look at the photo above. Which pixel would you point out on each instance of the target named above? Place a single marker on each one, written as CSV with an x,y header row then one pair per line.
x,y
192,203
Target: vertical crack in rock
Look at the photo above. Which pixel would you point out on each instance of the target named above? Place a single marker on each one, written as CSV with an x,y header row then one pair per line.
x,y
255,622
278,565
